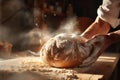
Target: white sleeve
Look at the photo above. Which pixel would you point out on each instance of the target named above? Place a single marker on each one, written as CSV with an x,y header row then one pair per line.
x,y
109,11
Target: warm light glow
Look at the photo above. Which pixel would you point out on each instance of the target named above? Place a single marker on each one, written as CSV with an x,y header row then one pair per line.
x,y
90,76
106,59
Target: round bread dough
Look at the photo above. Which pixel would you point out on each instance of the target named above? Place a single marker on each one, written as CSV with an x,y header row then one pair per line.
x,y
65,50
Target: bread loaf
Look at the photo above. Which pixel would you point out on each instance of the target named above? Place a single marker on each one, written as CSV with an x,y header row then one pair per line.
x,y
65,50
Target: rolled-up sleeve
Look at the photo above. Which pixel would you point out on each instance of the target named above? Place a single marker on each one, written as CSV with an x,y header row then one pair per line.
x,y
109,11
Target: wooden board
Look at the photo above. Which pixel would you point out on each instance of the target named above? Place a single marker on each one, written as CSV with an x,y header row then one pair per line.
x,y
31,68
103,67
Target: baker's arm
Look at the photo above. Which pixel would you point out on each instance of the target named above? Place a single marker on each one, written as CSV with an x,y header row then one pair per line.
x,y
108,14
97,27
109,11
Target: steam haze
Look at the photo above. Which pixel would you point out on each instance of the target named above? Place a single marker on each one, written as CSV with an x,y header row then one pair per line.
x,y
18,26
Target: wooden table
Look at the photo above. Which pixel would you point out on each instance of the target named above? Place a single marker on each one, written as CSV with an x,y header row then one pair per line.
x,y
102,69
33,69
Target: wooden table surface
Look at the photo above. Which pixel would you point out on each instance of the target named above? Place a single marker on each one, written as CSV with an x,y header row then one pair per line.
x,y
102,69
32,69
